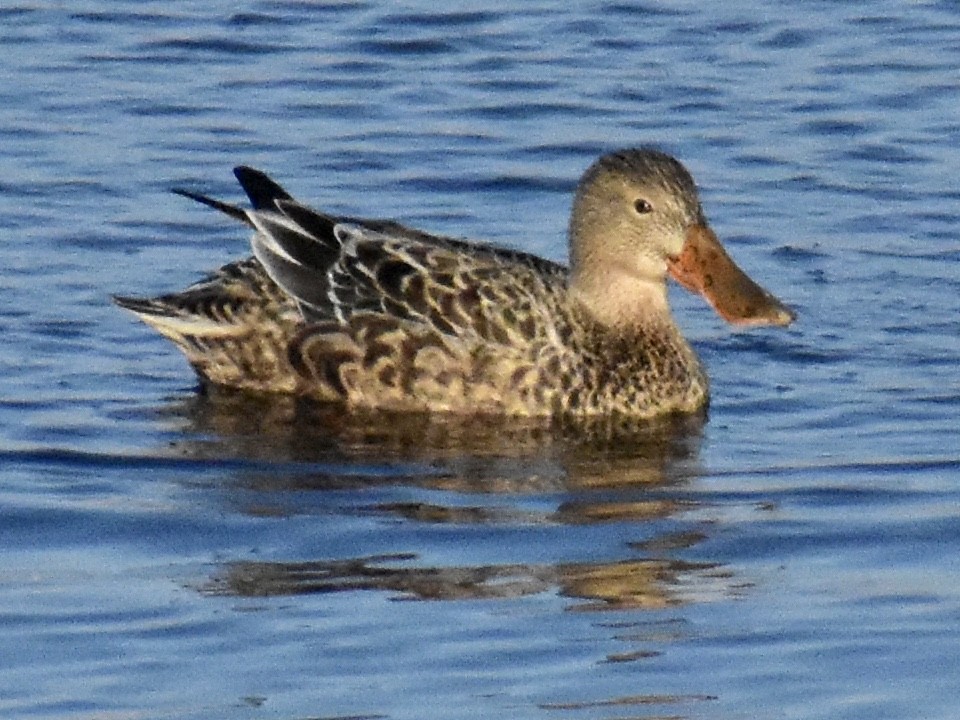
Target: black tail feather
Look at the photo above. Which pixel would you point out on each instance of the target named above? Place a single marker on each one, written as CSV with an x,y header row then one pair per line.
x,y
233,211
262,191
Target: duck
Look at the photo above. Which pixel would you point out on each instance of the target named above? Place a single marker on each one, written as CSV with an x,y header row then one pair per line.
x,y
374,315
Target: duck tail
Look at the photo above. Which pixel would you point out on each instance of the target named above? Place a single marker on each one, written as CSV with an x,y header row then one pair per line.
x,y
260,188
237,213
262,191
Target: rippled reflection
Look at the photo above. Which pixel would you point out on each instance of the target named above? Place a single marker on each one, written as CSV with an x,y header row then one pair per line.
x,y
293,446
637,584
476,474
628,701
281,429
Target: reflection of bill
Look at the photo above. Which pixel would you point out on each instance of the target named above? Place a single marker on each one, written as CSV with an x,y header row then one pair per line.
x,y
630,584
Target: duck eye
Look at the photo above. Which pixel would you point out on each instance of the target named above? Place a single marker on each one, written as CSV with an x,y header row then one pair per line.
x,y
642,206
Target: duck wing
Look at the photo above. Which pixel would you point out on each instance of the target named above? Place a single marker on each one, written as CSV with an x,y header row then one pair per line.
x,y
368,312
336,268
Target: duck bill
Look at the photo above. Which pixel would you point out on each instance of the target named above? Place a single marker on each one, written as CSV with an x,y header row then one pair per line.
x,y
704,267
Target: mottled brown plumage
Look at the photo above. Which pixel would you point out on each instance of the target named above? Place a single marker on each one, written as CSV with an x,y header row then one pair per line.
x,y
372,314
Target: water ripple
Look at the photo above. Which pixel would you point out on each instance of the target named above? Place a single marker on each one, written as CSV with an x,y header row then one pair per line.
x,y
172,553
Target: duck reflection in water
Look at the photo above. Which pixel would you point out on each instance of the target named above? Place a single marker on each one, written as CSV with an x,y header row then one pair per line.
x,y
513,475
635,584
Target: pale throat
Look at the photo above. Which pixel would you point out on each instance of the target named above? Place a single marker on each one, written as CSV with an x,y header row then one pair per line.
x,y
618,298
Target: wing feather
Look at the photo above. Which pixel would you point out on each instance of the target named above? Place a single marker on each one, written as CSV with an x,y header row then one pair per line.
x,y
334,268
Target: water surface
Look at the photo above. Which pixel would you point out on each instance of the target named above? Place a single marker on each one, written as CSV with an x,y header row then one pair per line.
x,y
168,554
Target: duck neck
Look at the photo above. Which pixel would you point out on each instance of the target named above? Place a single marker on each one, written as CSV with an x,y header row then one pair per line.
x,y
620,300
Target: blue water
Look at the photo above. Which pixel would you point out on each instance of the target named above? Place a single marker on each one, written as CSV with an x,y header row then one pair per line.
x,y
170,555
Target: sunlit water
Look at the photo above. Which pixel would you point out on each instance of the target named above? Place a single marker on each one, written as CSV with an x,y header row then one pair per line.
x,y
171,555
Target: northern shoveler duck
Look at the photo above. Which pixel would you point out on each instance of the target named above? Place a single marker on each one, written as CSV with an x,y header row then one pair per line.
x,y
375,315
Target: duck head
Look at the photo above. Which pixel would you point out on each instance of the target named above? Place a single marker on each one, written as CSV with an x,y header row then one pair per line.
x,y
636,219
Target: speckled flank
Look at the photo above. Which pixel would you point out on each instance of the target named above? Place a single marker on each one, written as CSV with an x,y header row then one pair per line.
x,y
372,314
